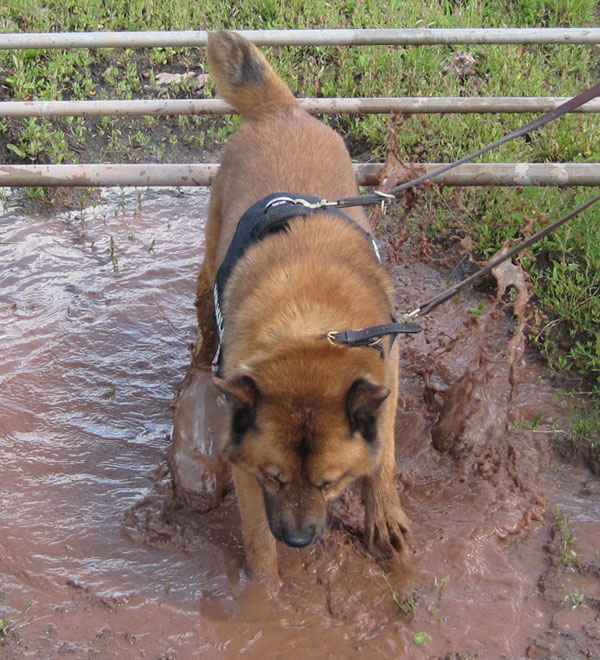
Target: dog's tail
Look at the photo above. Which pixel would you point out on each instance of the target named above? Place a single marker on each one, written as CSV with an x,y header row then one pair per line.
x,y
243,76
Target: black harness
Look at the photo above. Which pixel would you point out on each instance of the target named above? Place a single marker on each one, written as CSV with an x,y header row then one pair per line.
x,y
271,215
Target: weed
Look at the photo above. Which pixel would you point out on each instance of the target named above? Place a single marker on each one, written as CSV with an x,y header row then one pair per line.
x,y
441,584
407,605
476,311
5,626
113,254
531,426
562,530
575,599
28,607
421,638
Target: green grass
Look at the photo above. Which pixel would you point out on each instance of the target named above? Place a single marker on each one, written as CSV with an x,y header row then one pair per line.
x,y
563,268
406,605
561,529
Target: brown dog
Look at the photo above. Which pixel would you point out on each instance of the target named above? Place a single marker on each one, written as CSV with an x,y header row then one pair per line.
x,y
307,417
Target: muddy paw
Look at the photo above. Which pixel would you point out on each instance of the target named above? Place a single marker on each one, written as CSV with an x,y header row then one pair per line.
x,y
387,526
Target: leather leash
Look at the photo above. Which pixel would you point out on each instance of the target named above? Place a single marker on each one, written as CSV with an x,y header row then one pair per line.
x,y
432,303
394,194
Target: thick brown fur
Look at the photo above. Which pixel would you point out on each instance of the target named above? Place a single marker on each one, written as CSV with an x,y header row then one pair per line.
x,y
307,418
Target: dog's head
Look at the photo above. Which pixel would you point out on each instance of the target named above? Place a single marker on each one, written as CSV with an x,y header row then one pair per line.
x,y
304,423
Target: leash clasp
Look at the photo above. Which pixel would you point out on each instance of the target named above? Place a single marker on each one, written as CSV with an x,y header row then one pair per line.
x,y
386,199
411,316
321,204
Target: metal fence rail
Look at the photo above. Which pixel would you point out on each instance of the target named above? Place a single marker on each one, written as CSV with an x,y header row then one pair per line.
x,y
321,106
340,37
500,174
479,174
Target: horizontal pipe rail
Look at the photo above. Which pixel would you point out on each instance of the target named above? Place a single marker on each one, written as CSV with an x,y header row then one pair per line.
x,y
339,37
480,174
322,106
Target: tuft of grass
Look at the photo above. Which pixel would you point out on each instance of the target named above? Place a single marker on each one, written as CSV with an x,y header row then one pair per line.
x,y
421,638
440,584
5,626
407,605
585,426
562,531
530,425
575,600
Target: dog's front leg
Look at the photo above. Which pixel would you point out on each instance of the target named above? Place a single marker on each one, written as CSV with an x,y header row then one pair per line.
x,y
259,543
387,527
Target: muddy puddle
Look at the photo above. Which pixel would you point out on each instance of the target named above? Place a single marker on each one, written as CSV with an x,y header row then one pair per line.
x,y
98,560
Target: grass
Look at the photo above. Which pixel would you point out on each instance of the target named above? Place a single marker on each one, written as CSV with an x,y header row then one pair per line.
x,y
561,529
406,605
5,626
575,600
563,268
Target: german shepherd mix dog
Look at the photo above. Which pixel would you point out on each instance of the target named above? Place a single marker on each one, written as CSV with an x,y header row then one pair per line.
x,y
306,417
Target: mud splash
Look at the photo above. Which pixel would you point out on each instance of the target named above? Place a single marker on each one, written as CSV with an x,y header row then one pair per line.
x,y
97,557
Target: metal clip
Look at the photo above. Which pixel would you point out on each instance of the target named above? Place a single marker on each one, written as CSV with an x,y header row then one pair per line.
x,y
316,205
386,199
331,337
411,316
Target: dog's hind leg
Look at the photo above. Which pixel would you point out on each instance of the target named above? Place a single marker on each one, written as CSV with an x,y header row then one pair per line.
x,y
206,344
387,527
259,544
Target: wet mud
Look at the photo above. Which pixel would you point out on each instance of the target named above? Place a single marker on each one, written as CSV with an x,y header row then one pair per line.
x,y
101,557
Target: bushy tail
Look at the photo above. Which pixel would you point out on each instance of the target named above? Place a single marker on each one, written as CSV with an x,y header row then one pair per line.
x,y
243,76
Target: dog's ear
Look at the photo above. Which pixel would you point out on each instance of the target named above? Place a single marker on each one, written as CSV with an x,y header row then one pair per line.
x,y
363,400
242,394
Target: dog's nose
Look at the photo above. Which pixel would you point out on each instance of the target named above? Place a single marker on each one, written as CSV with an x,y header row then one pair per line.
x,y
299,539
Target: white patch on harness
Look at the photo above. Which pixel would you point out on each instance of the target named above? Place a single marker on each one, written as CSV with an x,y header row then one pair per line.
x,y
376,250
220,329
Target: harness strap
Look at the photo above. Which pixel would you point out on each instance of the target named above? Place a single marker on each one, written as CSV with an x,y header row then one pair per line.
x,y
373,335
268,216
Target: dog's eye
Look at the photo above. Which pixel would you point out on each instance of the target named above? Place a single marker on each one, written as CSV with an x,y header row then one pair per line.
x,y
324,485
275,480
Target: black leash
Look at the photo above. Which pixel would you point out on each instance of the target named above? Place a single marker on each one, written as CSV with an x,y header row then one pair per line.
x,y
373,336
432,303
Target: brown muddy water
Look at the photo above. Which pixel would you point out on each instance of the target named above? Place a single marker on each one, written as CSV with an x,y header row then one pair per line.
x,y
98,560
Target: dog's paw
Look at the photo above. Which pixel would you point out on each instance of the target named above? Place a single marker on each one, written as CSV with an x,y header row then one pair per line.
x,y
387,527
266,576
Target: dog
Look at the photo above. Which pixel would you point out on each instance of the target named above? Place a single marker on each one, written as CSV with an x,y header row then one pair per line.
x,y
306,417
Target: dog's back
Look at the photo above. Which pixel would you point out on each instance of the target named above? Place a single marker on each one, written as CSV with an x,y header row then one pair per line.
x,y
278,148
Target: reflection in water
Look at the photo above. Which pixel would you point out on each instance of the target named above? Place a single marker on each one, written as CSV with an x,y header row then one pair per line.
x,y
96,323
